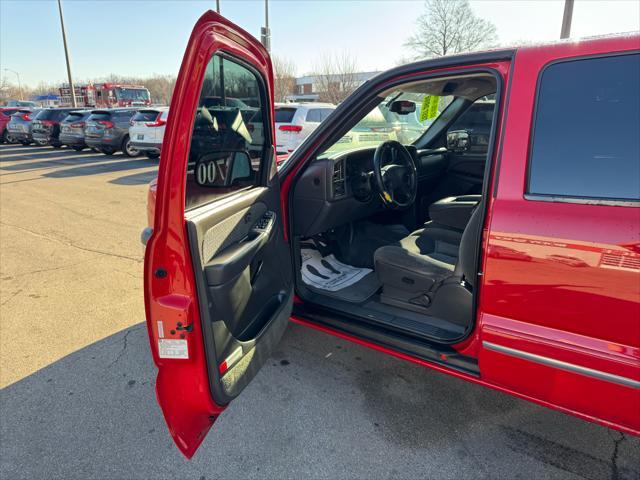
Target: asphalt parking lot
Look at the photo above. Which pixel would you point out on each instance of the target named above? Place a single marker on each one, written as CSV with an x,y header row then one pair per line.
x,y
78,401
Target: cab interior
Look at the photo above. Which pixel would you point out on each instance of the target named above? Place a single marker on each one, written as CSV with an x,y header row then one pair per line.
x,y
392,245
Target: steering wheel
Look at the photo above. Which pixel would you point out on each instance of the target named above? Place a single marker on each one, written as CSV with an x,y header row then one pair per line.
x,y
395,174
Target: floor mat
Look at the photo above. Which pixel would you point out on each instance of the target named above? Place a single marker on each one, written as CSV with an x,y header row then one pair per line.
x,y
328,276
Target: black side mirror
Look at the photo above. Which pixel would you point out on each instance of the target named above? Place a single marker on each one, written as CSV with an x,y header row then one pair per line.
x,y
402,107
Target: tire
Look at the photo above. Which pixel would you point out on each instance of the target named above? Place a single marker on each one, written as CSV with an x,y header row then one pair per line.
x,y
56,145
153,155
4,138
78,148
108,151
25,142
127,149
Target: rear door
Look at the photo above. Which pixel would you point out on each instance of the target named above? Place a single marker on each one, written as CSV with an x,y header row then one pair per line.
x,y
218,275
560,302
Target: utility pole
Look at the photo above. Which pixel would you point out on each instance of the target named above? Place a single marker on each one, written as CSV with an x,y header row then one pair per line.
x,y
265,33
566,19
218,6
66,55
19,83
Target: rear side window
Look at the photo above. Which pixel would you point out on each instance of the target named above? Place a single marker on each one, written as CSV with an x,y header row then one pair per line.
x,y
285,115
73,117
229,141
47,115
145,116
317,115
478,118
585,137
99,116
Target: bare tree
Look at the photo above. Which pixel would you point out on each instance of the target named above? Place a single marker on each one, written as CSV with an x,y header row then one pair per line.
x,y
9,91
336,77
450,26
284,78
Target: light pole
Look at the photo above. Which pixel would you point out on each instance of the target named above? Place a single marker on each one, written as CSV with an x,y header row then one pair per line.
x,y
218,6
66,55
19,84
565,32
265,33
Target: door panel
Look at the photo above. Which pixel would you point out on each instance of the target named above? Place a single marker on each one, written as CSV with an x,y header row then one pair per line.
x,y
246,280
218,280
560,303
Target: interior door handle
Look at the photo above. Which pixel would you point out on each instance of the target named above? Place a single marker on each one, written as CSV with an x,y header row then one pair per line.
x,y
229,263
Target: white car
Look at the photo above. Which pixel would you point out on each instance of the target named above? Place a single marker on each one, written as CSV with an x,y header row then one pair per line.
x,y
295,121
146,130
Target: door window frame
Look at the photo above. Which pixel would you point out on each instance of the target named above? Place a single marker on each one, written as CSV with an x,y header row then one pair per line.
x,y
268,146
293,170
559,198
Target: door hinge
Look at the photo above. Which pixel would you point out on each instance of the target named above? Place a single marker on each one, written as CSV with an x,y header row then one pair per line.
x,y
186,328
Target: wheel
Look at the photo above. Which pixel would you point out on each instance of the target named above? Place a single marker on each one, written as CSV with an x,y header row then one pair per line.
x,y
128,149
78,148
56,145
95,150
107,150
153,155
25,142
4,138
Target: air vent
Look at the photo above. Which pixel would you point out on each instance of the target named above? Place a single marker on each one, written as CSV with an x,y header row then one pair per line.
x,y
338,179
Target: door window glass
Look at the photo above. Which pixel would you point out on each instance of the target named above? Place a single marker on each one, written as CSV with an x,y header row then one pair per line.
x,y
228,141
585,137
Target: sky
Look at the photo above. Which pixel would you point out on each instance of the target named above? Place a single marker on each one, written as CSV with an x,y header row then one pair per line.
x,y
139,38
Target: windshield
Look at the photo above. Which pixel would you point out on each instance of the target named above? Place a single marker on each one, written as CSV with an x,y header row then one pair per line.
x,y
132,94
381,124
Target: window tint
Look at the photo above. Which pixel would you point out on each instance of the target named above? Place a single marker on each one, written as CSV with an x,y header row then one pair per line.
x,y
47,114
228,140
317,115
477,118
585,137
8,113
285,115
145,116
73,117
100,116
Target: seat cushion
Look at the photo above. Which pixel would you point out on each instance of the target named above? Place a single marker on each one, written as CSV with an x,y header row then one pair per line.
x,y
423,258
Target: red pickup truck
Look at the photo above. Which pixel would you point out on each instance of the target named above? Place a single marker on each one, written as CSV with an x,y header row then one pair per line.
x,y
487,228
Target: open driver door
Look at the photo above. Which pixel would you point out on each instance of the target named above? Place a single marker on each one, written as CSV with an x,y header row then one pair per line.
x,y
218,273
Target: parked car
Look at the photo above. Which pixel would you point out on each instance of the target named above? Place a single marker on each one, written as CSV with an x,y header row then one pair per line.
x,y
45,126
22,104
19,126
443,252
5,117
107,131
72,129
295,121
146,130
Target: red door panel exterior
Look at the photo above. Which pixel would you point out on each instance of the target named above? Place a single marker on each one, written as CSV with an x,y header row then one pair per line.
x,y
182,385
560,299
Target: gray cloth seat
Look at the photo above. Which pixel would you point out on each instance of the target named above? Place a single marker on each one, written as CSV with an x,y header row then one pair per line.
x,y
421,259
437,255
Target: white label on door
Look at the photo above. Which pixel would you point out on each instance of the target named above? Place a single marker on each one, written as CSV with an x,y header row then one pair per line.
x,y
160,329
173,348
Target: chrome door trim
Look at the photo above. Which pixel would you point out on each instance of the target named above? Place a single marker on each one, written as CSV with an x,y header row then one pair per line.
x,y
570,367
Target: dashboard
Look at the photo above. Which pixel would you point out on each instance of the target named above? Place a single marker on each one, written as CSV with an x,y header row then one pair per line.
x,y
334,191
339,189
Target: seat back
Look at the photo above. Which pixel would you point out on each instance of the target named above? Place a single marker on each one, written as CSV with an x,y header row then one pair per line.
x,y
467,254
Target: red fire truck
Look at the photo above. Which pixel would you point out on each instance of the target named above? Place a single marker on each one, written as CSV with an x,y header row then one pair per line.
x,y
105,95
